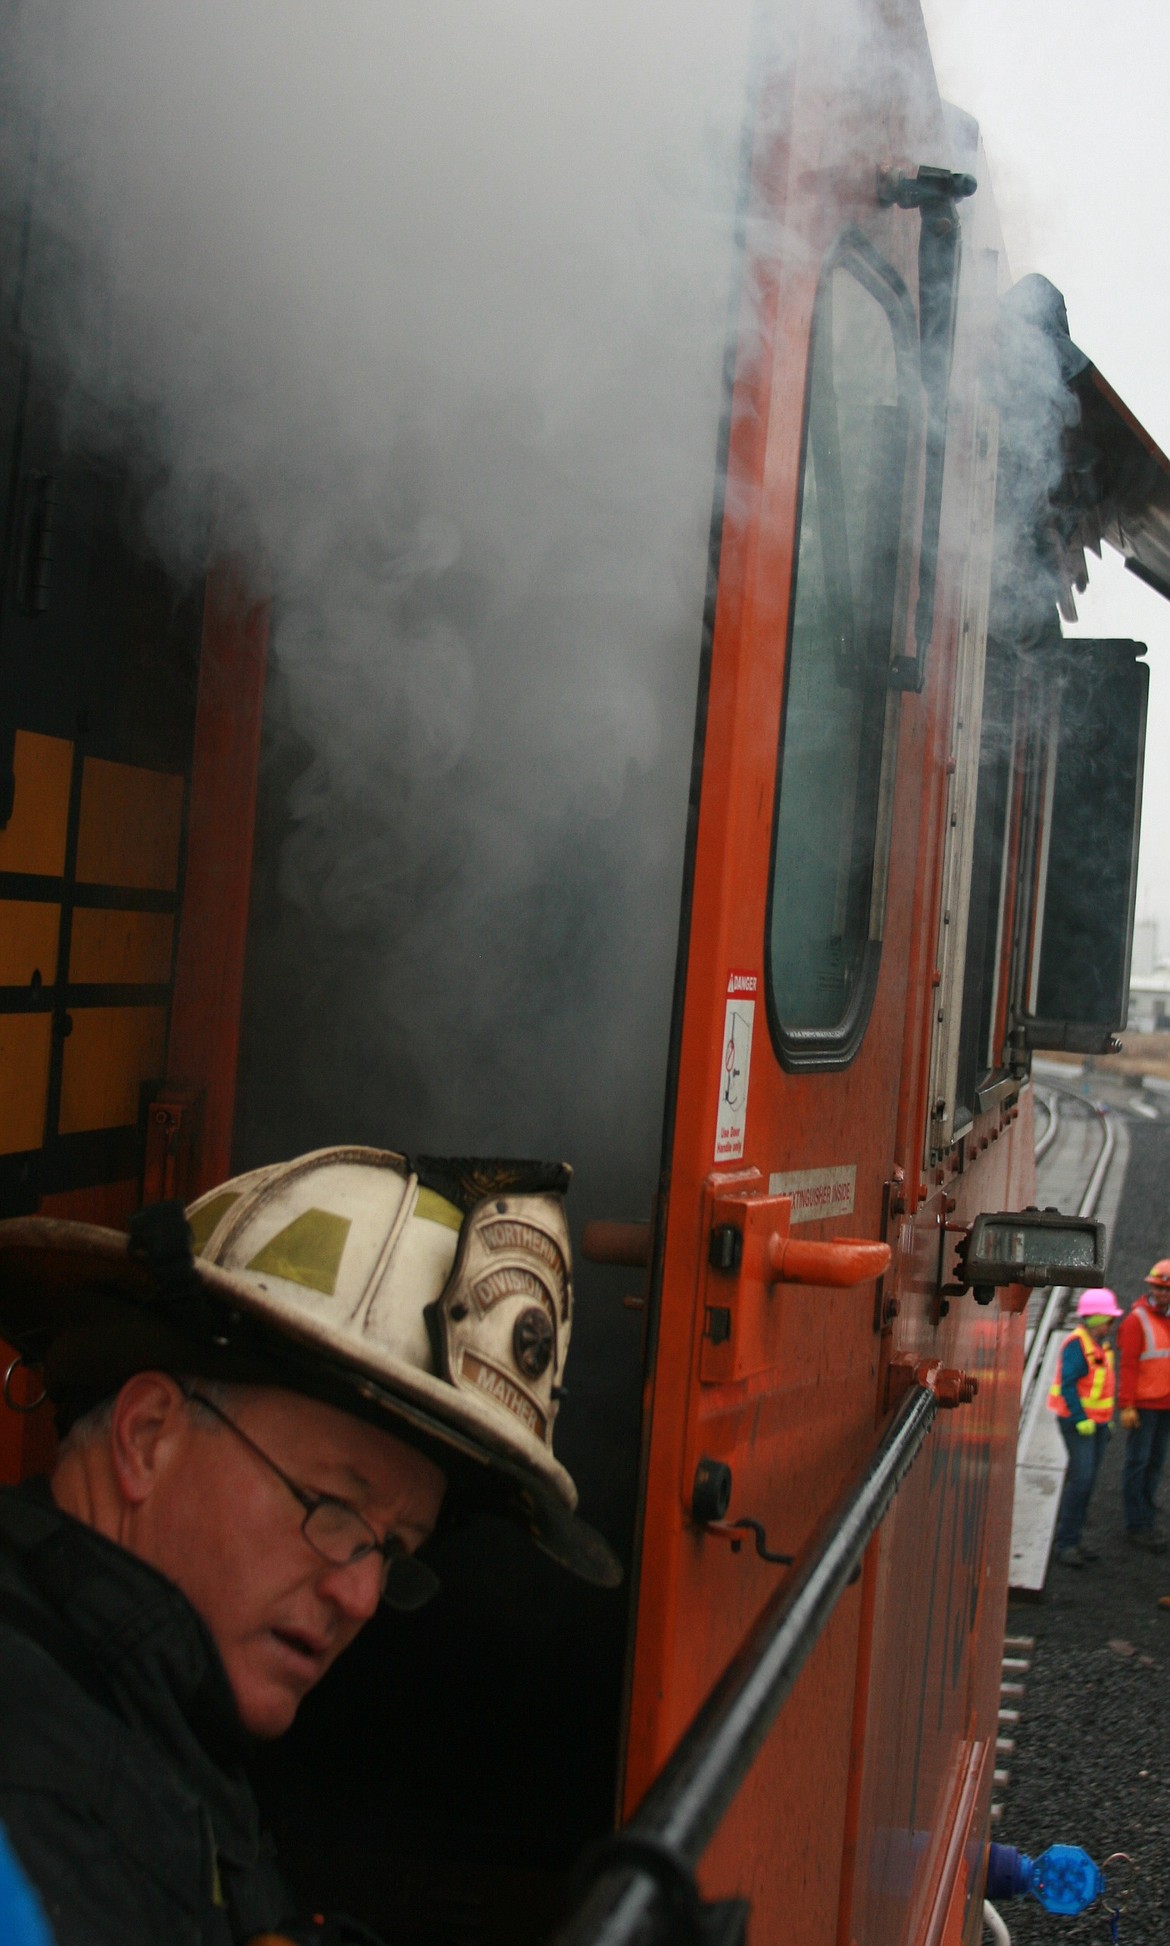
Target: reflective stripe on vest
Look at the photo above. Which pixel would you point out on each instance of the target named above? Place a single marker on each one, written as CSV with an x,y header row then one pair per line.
x,y
1153,1385
1095,1390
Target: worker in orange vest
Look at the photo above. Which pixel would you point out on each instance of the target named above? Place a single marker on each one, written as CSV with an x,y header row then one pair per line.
x,y
1143,1393
1082,1398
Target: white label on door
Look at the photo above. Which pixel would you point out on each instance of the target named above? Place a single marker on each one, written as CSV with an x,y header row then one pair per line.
x,y
817,1192
735,1064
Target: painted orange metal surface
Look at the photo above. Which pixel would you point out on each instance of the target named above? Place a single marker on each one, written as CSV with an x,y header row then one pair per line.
x,y
864,1816
203,1048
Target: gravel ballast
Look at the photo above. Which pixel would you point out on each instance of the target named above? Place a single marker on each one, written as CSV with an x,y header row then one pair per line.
x,y
1092,1758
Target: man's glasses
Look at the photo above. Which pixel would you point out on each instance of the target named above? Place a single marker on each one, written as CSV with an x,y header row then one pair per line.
x,y
337,1532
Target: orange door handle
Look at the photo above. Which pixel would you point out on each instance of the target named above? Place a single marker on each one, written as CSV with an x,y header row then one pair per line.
x,y
841,1261
625,1244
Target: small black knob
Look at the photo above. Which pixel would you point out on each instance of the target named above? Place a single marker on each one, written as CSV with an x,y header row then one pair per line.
x,y
711,1494
725,1251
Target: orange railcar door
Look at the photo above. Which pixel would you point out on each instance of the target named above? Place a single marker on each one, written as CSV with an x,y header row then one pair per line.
x,y
800,972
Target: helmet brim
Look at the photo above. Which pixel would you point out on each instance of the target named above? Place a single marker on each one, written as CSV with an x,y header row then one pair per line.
x,y
76,1303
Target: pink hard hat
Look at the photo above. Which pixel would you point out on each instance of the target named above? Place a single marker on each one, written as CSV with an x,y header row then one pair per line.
x,y
1098,1304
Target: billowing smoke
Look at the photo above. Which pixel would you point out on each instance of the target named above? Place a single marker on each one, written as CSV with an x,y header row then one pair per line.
x,y
424,314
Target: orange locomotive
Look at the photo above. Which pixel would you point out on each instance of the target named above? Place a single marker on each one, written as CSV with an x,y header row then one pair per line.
x,y
796,979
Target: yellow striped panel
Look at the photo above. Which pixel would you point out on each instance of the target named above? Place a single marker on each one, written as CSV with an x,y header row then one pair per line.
x,y
34,840
109,1054
25,1040
131,825
119,948
28,941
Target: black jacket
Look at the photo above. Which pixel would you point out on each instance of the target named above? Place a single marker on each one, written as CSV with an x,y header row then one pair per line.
x,y
120,1746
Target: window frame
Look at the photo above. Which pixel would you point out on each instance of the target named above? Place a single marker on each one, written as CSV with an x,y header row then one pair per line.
x,y
949,1119
803,1049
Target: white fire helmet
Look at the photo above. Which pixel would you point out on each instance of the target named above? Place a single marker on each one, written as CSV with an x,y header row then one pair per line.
x,y
433,1295
466,1310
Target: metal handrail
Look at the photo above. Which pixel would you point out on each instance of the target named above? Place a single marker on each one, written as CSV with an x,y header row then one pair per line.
x,y
680,1813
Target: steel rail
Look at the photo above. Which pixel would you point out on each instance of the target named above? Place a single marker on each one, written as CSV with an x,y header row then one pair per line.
x,y
1050,1317
629,1898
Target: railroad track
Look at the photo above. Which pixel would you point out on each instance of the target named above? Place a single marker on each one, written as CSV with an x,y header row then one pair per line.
x,y
1076,1150
1089,1141
1048,1105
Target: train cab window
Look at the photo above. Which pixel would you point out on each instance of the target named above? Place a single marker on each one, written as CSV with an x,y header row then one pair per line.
x,y
829,840
979,1055
972,916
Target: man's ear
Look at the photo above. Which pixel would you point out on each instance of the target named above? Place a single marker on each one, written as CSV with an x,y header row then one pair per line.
x,y
149,1418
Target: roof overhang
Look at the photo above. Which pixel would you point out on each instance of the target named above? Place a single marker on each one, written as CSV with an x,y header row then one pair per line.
x,y
1127,476
1086,470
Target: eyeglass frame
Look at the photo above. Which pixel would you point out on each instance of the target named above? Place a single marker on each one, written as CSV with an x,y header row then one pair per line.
x,y
418,1581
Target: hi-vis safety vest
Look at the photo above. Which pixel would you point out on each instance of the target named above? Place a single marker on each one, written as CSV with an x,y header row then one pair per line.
x,y
1153,1385
1095,1390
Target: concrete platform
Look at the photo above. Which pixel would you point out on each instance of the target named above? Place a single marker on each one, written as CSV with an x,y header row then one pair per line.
x,y
1041,1465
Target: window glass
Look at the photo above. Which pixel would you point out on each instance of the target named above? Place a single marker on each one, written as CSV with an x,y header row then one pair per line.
x,y
977,1054
824,931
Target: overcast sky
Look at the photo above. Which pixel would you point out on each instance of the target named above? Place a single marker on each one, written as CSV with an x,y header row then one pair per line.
x,y
1071,98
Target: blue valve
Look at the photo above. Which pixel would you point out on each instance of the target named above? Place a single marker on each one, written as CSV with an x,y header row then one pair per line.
x,y
1064,1878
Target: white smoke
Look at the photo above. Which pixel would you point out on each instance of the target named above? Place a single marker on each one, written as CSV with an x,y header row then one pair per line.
x,y
424,311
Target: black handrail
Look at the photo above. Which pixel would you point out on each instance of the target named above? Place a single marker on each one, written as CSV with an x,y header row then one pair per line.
x,y
628,1897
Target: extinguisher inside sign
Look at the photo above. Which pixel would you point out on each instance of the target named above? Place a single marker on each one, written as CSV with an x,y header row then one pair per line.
x,y
735,1063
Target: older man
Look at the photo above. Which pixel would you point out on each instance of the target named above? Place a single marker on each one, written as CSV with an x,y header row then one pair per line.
x,y
258,1438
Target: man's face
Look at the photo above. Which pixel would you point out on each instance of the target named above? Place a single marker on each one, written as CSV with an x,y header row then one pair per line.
x,y
1159,1297
227,1531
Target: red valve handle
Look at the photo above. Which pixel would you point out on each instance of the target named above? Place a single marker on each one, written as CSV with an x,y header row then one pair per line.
x,y
841,1262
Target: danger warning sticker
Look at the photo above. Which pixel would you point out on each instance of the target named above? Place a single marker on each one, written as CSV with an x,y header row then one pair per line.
x,y
735,1062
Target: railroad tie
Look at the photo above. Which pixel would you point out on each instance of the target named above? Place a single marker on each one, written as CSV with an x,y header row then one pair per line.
x,y
1017,1661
